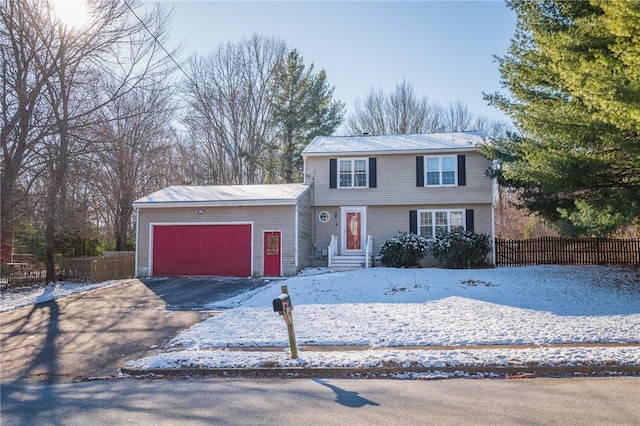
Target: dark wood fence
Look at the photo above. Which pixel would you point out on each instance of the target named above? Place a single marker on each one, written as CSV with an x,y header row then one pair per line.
x,y
114,266
21,275
568,251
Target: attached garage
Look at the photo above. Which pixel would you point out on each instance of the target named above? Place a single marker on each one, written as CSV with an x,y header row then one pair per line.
x,y
202,250
236,230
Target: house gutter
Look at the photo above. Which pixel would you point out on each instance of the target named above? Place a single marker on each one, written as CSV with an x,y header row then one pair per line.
x,y
434,151
210,203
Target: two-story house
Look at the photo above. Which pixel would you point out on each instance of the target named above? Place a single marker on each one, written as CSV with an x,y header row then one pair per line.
x,y
367,188
357,192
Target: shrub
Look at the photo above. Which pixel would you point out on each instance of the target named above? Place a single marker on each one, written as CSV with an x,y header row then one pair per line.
x,y
403,250
462,249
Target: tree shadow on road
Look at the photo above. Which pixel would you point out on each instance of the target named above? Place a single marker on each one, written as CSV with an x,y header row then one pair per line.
x,y
43,364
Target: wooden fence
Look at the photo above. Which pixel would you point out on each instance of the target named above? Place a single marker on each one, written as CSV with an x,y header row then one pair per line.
x,y
568,251
97,269
22,275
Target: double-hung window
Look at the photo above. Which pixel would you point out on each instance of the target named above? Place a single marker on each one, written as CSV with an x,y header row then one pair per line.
x,y
352,173
440,171
435,223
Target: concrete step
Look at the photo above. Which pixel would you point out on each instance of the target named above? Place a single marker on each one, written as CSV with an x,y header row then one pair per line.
x,y
347,263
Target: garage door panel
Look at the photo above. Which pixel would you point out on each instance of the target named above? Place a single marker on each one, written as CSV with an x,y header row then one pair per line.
x,y
202,250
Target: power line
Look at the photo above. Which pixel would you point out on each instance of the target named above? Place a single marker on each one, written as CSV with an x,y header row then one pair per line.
x,y
158,41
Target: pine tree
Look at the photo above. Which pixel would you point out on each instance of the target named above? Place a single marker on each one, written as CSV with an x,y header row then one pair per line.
x,y
302,109
573,73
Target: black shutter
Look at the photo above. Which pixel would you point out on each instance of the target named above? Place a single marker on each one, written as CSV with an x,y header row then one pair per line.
x,y
469,220
372,173
333,173
419,170
462,172
413,221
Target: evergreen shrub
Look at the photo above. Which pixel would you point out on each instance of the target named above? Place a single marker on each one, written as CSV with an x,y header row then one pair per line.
x,y
403,250
462,249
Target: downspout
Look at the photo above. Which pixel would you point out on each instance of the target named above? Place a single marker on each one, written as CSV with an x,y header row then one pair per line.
x,y
135,272
312,211
493,220
297,249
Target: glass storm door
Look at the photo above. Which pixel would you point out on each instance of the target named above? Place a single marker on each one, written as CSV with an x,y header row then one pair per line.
x,y
353,230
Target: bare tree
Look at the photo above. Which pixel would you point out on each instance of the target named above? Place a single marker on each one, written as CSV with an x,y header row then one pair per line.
x,y
514,222
135,136
229,107
408,114
25,38
399,112
51,95
495,128
457,118
403,112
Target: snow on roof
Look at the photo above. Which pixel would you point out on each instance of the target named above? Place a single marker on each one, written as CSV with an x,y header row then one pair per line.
x,y
225,195
458,141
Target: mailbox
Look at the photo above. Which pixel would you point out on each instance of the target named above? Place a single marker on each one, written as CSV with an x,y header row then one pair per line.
x,y
282,303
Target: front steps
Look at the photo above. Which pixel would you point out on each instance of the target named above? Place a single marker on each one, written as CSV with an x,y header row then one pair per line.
x,y
347,263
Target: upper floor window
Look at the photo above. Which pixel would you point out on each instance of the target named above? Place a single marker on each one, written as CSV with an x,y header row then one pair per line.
x,y
440,171
352,173
435,223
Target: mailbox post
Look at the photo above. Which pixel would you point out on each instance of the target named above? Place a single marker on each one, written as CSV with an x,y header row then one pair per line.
x,y
282,305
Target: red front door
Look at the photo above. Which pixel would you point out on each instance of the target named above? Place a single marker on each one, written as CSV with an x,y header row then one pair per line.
x,y
272,257
354,230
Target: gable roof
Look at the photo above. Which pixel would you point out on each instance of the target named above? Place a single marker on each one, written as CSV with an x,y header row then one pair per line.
x,y
395,144
224,195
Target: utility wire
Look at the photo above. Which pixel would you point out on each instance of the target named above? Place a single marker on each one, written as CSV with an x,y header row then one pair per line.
x,y
158,42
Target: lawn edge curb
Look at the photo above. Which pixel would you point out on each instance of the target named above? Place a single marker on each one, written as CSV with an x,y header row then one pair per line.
x,y
390,372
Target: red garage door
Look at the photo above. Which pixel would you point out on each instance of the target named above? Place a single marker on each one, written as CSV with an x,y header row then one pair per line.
x,y
202,250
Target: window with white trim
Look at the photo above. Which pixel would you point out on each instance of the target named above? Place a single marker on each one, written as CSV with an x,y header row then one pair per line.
x,y
440,171
434,223
353,173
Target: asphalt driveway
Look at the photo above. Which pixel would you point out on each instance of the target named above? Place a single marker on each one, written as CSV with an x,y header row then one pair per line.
x,y
93,334
194,293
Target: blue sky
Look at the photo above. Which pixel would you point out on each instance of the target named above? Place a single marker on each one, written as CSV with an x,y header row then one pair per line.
x,y
444,48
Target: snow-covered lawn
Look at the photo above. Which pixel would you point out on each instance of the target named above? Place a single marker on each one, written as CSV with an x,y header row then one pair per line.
x,y
538,315
578,315
15,298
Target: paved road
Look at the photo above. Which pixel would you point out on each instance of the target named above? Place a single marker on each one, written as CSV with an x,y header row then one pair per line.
x,y
572,401
93,334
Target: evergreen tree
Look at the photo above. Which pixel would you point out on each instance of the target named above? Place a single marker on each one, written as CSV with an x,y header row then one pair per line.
x,y
573,73
302,109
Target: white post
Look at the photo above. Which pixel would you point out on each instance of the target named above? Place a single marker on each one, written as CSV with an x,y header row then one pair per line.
x,y
333,248
369,251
